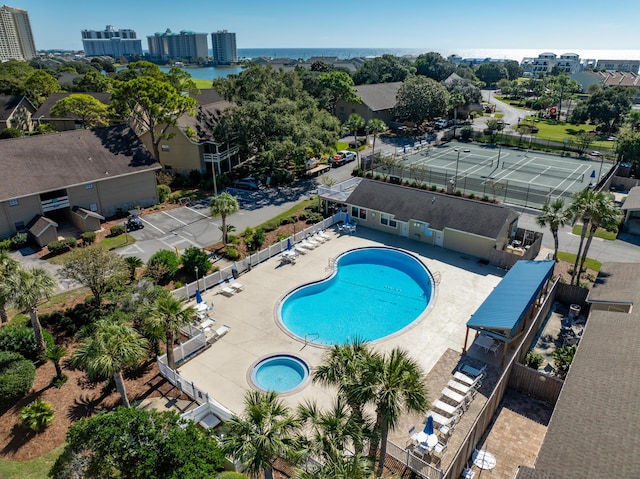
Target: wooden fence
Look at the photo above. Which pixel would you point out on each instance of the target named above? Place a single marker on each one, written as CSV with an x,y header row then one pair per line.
x,y
535,383
570,294
417,465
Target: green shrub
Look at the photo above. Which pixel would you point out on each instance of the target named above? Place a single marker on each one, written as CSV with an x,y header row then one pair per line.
x,y
163,193
37,416
16,378
19,338
18,240
533,360
562,358
272,225
5,244
167,258
180,181
485,197
434,187
88,237
231,253
175,197
472,196
62,246
164,177
231,475
288,220
192,257
458,193
117,230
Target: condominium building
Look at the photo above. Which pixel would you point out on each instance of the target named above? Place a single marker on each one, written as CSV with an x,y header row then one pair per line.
x,y
111,42
185,45
547,62
223,44
16,37
631,66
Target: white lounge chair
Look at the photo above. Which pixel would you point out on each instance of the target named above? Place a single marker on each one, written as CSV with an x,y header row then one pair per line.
x,y
464,379
237,287
315,243
301,249
324,235
473,372
442,421
221,331
227,291
447,408
455,398
308,245
316,237
467,390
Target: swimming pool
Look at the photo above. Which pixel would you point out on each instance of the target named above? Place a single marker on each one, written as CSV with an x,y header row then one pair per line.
x,y
374,292
280,373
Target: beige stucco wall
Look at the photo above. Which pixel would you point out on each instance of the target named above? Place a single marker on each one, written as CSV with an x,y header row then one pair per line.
x,y
183,155
81,196
127,192
344,109
467,243
49,235
417,234
85,224
24,211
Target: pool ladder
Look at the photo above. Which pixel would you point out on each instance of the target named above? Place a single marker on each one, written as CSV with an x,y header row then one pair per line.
x,y
437,277
331,265
307,337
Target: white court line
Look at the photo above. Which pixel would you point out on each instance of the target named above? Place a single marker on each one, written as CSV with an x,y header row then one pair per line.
x,y
173,217
154,226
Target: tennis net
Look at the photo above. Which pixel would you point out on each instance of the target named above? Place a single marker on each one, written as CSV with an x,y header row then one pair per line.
x,y
544,171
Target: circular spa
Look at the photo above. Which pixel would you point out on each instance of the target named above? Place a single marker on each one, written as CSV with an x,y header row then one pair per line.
x,y
372,293
280,373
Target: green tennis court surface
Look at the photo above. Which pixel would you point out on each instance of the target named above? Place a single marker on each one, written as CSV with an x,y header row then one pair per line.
x,y
510,175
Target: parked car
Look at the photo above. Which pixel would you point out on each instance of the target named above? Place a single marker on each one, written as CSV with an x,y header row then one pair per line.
x,y
342,157
246,184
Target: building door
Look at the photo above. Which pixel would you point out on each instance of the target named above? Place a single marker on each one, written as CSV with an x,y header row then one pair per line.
x,y
404,229
439,239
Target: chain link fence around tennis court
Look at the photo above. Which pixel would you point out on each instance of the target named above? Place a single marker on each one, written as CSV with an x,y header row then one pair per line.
x,y
516,193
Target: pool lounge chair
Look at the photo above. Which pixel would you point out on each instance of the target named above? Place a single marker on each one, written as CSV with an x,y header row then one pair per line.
x,y
221,331
310,240
466,389
473,372
455,398
308,245
442,421
301,249
237,287
448,409
227,291
464,379
324,235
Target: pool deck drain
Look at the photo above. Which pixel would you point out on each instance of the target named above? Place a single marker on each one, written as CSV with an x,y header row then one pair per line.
x,y
221,369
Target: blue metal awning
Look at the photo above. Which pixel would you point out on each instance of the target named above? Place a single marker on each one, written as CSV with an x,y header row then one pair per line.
x,y
506,306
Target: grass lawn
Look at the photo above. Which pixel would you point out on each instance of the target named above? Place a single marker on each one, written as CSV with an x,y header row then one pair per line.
x,y
559,130
571,258
202,84
291,211
109,243
33,469
600,233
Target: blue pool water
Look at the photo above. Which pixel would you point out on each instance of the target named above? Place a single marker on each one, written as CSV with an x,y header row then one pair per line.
x,y
374,292
280,373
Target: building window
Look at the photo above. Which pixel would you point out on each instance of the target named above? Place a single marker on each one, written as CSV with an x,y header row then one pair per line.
x,y
93,207
387,220
359,213
165,147
13,202
89,186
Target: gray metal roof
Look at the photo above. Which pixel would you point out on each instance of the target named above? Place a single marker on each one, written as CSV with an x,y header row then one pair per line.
x,y
632,202
439,210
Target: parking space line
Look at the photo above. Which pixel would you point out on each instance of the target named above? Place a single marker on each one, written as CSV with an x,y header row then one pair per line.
x,y
154,226
173,217
196,211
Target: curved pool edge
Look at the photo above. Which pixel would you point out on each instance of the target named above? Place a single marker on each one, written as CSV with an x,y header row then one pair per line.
x,y
305,382
414,323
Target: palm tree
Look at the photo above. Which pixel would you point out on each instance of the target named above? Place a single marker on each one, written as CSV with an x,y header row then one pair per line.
x,y
54,354
554,216
354,123
169,315
29,288
345,367
8,267
582,208
456,100
133,263
352,467
264,432
397,384
375,126
107,349
607,216
224,205
330,432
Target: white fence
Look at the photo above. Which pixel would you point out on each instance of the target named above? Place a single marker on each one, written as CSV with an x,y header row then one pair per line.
x,y
239,267
417,465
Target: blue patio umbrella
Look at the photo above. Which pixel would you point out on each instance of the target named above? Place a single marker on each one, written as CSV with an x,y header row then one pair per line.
x,y
347,219
428,427
198,297
404,149
288,244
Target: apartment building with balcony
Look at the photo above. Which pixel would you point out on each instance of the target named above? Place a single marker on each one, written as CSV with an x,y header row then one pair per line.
x,y
223,45
111,42
186,45
16,37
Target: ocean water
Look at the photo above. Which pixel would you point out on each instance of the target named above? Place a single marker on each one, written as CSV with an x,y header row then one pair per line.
x,y
209,73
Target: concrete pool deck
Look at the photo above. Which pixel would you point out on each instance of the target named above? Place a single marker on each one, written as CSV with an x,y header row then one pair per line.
x,y
223,370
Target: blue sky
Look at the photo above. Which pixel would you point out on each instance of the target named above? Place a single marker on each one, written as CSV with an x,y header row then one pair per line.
x,y
432,25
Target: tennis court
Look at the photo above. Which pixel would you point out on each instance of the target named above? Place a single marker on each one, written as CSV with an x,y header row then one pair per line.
x,y
516,176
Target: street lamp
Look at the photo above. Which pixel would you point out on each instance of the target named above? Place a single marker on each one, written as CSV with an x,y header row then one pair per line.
x,y
197,279
457,160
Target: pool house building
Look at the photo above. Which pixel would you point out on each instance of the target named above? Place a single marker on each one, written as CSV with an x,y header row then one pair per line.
x,y
483,229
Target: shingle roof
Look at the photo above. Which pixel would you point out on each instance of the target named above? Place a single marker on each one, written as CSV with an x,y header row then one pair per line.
x,y
379,96
593,432
49,162
616,282
207,115
8,103
439,210
39,224
45,109
632,201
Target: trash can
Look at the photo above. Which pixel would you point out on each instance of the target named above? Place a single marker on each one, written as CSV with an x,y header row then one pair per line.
x,y
574,311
